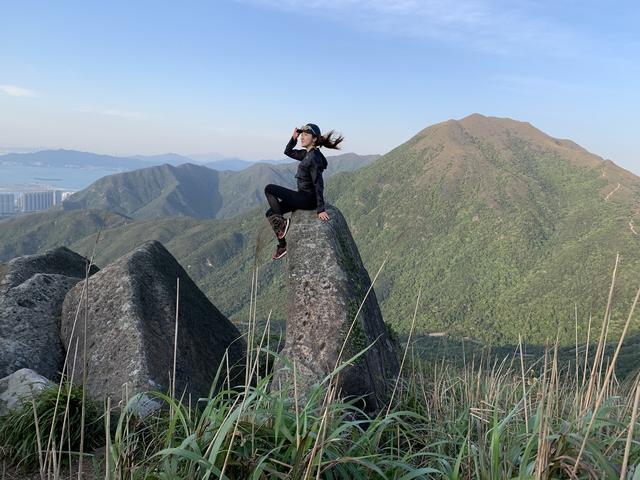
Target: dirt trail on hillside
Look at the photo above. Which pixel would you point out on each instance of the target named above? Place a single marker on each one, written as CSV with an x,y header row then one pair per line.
x,y
606,199
632,226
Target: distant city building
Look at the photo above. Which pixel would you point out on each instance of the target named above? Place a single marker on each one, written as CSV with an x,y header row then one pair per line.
x,y
7,204
37,201
30,201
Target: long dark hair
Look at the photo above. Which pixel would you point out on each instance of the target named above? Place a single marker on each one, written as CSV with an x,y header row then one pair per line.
x,y
327,141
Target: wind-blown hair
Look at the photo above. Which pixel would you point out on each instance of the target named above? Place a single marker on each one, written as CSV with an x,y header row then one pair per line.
x,y
329,142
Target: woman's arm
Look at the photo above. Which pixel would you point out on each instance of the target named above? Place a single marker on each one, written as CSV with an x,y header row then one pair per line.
x,y
297,153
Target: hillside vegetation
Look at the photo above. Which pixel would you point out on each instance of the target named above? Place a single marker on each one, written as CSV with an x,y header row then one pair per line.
x,y
505,228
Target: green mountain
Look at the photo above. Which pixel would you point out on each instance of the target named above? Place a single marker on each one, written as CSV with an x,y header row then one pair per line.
x,y
195,190
153,192
505,229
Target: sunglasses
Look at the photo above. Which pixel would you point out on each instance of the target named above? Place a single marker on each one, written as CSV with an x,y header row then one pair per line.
x,y
306,128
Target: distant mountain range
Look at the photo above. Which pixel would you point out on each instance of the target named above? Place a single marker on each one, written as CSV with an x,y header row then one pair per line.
x,y
5,150
215,161
71,159
195,190
76,159
220,162
506,230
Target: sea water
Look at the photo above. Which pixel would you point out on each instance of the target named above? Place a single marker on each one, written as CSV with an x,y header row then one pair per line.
x,y
21,177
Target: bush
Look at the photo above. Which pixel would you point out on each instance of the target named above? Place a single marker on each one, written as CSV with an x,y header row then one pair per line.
x,y
19,436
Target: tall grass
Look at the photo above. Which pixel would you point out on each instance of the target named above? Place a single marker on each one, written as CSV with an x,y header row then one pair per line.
x,y
445,422
491,418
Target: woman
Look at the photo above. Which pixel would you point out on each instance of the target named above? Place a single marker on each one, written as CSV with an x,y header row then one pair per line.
x,y
309,177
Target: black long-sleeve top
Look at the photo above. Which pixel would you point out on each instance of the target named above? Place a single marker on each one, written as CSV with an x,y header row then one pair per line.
x,y
309,174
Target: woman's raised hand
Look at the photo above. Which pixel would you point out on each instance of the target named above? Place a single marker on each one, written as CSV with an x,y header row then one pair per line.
x,y
295,132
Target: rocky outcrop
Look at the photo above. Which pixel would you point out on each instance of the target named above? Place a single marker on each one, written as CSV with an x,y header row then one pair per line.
x,y
327,282
61,261
131,324
29,316
18,387
32,289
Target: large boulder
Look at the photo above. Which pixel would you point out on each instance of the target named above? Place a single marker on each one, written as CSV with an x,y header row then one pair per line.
x,y
29,317
61,261
32,289
18,387
327,282
131,324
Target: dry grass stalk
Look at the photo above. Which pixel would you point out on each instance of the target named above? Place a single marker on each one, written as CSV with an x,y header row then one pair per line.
x,y
404,355
627,448
606,381
594,380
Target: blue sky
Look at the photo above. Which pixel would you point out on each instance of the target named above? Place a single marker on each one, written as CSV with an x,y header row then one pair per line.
x,y
235,76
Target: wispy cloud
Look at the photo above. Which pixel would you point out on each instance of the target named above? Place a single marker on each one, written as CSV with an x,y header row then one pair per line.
x,y
112,112
498,26
15,91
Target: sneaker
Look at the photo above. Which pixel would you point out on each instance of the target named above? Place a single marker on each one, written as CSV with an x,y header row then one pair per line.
x,y
280,252
283,228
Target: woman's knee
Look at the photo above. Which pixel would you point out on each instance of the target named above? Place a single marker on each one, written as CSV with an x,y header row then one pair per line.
x,y
267,188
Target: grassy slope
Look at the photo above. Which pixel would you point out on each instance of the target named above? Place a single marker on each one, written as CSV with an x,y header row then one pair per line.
x,y
40,231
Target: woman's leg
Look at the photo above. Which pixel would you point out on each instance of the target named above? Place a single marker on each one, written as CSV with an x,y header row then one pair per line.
x,y
290,200
273,192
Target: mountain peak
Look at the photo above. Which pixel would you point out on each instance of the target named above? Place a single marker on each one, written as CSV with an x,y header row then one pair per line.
x,y
478,121
464,136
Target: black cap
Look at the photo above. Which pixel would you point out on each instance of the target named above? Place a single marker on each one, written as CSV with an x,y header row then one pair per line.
x,y
310,127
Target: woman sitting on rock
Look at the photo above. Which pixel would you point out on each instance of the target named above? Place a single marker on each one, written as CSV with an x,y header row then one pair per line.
x,y
309,177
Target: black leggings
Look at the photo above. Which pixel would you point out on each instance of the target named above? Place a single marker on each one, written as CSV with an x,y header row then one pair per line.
x,y
290,200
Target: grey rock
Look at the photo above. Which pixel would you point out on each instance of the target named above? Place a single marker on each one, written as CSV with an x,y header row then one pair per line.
x,y
143,405
60,260
29,318
130,329
326,283
32,289
18,387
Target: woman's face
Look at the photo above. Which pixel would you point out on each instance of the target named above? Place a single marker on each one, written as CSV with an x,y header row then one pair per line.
x,y
306,139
